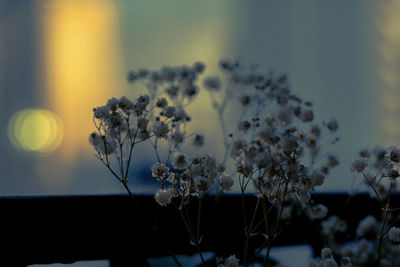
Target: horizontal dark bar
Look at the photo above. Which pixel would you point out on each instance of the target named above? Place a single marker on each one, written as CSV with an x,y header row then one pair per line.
x,y
64,229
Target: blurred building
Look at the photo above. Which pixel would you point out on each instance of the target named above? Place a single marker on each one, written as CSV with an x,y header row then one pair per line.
x,y
70,56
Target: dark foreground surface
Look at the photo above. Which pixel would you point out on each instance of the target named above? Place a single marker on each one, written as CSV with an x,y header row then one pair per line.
x,y
40,230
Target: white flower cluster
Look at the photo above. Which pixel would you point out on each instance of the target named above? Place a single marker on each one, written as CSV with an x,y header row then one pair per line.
x,y
364,250
394,234
380,168
327,260
193,177
177,82
230,261
119,122
273,147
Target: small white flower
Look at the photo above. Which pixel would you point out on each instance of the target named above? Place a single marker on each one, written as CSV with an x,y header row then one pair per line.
x,y
198,140
394,234
113,104
231,261
266,134
283,116
319,211
212,83
326,253
177,138
359,165
179,161
237,147
169,111
199,67
125,104
201,183
95,139
333,125
366,225
317,179
101,112
307,115
109,147
226,182
162,102
160,129
244,125
180,115
159,170
163,197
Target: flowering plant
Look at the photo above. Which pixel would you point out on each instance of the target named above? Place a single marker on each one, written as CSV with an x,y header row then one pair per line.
x,y
274,152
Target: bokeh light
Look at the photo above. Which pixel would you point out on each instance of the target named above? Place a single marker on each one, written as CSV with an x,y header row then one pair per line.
x,y
35,130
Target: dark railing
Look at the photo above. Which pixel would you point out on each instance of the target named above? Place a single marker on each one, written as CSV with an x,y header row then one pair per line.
x,y
42,230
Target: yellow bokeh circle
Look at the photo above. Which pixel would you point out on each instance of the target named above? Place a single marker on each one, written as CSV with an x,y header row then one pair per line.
x,y
35,130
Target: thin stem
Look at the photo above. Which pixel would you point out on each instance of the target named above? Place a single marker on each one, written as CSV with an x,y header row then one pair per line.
x,y
381,233
248,233
192,237
198,218
131,195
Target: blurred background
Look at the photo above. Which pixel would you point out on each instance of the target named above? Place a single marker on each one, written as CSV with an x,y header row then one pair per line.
x,y
59,59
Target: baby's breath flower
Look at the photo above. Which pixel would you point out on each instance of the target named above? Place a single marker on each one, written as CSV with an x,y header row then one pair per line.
x,y
201,183
169,111
226,182
190,90
333,125
332,161
231,261
113,104
359,165
319,211
307,115
179,161
266,134
244,100
143,101
160,130
125,104
101,112
180,115
237,147
212,83
162,102
316,131
159,170
163,197
326,253
95,139
317,179
109,147
394,234
172,91
244,125
366,226
395,155
199,67
143,135
198,140
283,116
177,138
